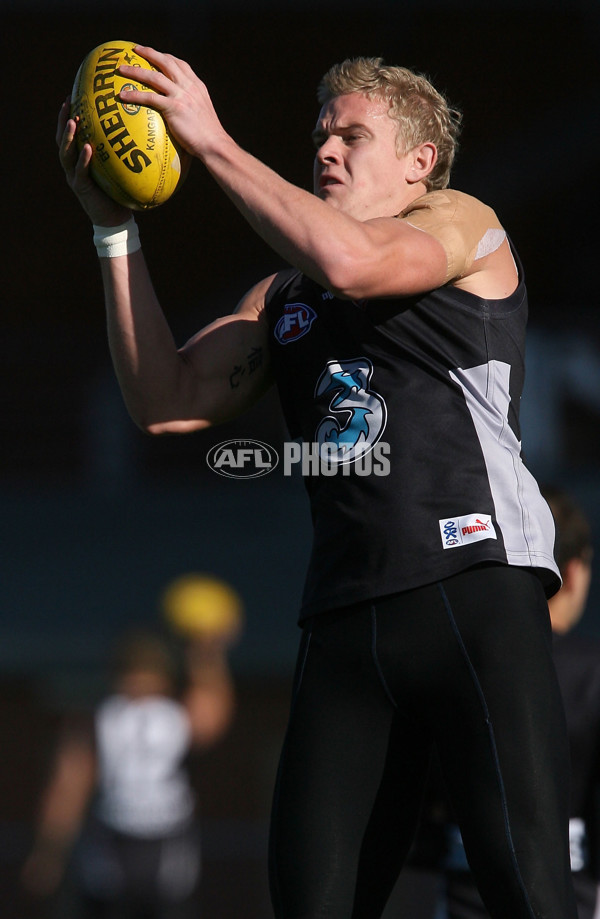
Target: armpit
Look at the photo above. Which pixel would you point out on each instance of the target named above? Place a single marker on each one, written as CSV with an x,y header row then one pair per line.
x,y
466,228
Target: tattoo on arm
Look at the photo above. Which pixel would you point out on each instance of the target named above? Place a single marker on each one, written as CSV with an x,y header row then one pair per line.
x,y
253,361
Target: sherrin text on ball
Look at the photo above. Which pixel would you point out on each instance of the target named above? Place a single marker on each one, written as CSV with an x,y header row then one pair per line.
x,y
135,160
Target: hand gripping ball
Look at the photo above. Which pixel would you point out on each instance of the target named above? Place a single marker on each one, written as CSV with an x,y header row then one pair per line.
x,y
135,160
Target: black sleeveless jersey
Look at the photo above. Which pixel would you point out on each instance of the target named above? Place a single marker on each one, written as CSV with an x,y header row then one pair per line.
x,y
413,405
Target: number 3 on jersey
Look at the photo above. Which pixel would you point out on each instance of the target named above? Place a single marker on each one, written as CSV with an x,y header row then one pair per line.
x,y
358,414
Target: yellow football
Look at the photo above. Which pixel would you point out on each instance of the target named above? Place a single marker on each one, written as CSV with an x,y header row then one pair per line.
x,y
136,160
202,605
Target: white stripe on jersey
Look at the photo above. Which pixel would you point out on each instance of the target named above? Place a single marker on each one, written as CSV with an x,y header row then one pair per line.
x,y
523,516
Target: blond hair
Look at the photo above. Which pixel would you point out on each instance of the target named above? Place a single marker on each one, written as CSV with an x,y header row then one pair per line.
x,y
423,114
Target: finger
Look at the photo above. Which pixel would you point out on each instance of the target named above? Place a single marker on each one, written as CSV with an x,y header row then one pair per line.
x,y
152,78
166,63
144,50
83,160
66,142
145,97
63,117
154,56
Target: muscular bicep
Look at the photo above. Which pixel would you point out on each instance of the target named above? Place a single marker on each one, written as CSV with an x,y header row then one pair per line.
x,y
224,367
393,259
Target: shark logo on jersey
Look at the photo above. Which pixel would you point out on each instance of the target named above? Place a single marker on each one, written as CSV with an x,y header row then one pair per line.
x,y
358,414
296,321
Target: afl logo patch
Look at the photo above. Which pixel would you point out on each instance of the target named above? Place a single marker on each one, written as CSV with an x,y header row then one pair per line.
x,y
296,321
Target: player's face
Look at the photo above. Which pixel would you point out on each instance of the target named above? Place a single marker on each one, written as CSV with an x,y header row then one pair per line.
x,y
357,168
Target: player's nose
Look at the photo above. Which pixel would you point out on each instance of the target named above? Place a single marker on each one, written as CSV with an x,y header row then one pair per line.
x,y
330,150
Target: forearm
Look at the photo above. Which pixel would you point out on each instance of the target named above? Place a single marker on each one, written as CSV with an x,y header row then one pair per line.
x,y
295,223
146,360
66,798
355,253
210,694
305,231
144,354
178,390
377,257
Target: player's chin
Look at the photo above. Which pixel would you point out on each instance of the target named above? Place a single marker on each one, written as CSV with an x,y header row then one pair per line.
x,y
330,198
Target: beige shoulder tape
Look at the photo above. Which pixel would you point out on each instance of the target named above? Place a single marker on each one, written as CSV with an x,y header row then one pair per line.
x,y
462,224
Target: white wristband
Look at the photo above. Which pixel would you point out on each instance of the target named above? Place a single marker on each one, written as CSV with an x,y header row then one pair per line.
x,y
113,241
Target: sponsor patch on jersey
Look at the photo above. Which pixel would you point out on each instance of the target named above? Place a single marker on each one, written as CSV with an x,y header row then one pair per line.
x,y
296,321
460,531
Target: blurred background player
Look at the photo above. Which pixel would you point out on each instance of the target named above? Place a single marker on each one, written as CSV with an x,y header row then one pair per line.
x,y
134,853
577,659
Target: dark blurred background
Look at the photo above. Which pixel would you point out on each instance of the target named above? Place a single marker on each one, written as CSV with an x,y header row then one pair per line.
x,y
97,518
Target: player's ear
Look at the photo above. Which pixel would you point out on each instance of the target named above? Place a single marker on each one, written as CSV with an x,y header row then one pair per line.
x,y
423,159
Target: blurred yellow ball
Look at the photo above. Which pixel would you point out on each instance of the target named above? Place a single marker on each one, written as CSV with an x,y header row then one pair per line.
x,y
203,606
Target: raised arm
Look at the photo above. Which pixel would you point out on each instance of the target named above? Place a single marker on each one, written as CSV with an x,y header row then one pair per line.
x,y
61,812
361,251
171,391
166,389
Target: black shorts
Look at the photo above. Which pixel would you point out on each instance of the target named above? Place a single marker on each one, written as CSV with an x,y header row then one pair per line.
x,y
464,664
121,875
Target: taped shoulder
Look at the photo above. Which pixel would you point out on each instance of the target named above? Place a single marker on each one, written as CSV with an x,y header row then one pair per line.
x,y
466,228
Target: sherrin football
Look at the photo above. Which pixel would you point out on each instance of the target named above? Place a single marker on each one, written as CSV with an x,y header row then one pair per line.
x,y
203,606
135,159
